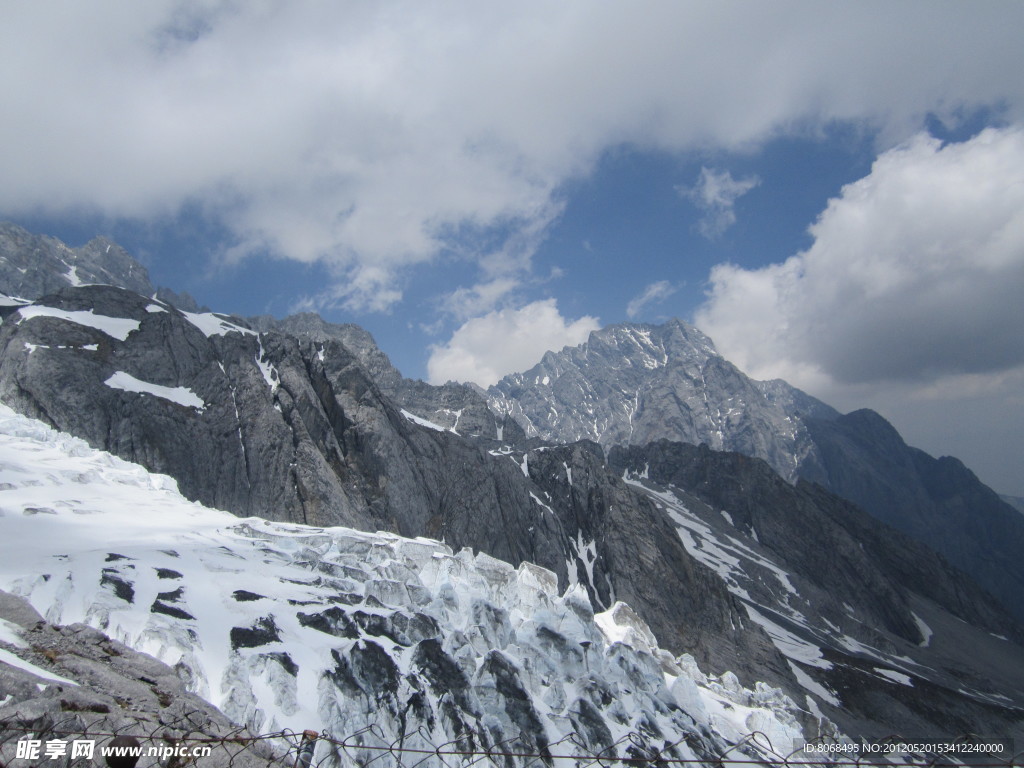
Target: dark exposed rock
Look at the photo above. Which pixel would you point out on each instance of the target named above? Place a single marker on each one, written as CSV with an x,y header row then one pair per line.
x,y
113,690
123,589
263,632
936,501
333,621
170,610
443,674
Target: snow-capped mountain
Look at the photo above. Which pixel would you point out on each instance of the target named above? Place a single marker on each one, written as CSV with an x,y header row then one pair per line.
x,y
633,383
298,421
816,572
290,626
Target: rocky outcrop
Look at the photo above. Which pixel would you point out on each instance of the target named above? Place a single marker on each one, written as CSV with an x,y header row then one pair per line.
x,y
939,502
460,408
74,682
32,266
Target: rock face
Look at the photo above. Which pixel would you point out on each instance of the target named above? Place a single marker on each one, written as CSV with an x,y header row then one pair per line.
x,y
936,501
74,682
817,573
305,422
632,384
457,407
36,265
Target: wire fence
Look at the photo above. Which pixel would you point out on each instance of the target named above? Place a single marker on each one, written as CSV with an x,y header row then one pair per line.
x,y
75,741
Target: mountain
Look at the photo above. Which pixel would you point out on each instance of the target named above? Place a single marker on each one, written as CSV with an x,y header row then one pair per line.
x,y
292,429
393,639
36,265
632,384
452,406
816,571
304,422
937,501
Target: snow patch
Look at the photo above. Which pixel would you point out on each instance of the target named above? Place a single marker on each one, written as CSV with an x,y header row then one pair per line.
x,y
894,676
422,422
270,374
924,629
808,683
6,657
11,634
115,327
180,395
790,645
214,325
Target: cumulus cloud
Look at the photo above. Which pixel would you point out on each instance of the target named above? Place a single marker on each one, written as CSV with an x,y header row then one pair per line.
x,y
715,194
486,348
653,293
368,136
916,272
909,297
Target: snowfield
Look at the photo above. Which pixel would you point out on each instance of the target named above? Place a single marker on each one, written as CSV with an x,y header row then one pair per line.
x,y
289,626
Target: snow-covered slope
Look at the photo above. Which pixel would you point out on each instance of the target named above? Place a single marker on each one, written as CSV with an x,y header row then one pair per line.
x,y
837,598
291,626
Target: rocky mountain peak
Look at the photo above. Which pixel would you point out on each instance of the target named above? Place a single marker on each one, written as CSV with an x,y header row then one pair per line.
x,y
32,266
633,383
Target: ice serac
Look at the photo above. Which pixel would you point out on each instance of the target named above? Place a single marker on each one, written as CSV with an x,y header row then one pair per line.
x,y
400,640
633,383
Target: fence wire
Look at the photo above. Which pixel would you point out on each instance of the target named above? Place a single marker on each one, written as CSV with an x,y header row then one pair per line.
x,y
63,742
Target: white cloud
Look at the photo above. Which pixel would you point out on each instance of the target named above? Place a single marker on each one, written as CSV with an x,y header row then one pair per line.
x,y
715,194
916,271
654,292
486,348
464,303
908,299
364,135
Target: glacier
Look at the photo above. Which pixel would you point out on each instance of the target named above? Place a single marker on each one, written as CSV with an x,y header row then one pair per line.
x,y
285,626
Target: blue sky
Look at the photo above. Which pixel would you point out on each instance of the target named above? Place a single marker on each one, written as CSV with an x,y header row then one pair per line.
x,y
831,191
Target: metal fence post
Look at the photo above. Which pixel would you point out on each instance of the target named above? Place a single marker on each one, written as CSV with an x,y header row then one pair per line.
x,y
305,756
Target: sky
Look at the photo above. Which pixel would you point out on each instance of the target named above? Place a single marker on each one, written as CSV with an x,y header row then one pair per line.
x,y
834,192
